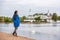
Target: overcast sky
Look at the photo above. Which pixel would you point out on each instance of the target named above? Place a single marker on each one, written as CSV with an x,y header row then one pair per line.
x,y
7,7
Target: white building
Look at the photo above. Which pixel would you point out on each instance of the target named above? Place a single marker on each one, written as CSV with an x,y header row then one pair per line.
x,y
46,16
29,18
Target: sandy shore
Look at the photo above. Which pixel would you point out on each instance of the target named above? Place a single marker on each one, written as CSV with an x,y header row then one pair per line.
x,y
5,36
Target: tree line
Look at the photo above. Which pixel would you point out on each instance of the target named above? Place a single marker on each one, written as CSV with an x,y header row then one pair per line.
x,y
55,18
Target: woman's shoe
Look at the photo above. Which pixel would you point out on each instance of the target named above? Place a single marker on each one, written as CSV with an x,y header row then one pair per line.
x,y
15,34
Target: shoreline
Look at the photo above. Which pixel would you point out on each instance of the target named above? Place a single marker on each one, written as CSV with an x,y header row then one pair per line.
x,y
5,36
29,23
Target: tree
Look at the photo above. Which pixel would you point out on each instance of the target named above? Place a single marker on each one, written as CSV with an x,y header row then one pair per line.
x,y
58,17
6,19
54,17
1,19
22,18
37,19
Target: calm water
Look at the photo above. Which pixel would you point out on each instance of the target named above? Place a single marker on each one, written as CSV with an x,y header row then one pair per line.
x,y
36,31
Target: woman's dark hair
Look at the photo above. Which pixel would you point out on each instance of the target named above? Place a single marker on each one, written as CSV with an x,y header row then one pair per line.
x,y
15,14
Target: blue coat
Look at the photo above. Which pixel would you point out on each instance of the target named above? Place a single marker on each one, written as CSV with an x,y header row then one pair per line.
x,y
16,21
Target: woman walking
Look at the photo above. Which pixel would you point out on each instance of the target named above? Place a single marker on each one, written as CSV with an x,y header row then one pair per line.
x,y
16,21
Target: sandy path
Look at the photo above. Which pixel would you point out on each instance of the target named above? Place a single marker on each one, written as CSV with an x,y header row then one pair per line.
x,y
5,36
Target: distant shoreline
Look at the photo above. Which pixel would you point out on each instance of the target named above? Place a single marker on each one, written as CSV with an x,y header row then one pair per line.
x,y
28,23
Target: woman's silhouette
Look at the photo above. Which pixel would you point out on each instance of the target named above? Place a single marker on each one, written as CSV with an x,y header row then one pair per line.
x,y
16,21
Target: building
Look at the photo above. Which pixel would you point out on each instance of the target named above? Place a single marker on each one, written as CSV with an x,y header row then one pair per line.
x,y
29,18
47,16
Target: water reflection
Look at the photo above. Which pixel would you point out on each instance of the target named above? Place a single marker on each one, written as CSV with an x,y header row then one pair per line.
x,y
54,24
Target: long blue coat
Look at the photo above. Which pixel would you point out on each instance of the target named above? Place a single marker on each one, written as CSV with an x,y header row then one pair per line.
x,y
16,21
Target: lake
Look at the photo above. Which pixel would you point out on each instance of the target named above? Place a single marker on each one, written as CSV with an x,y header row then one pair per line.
x,y
35,31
